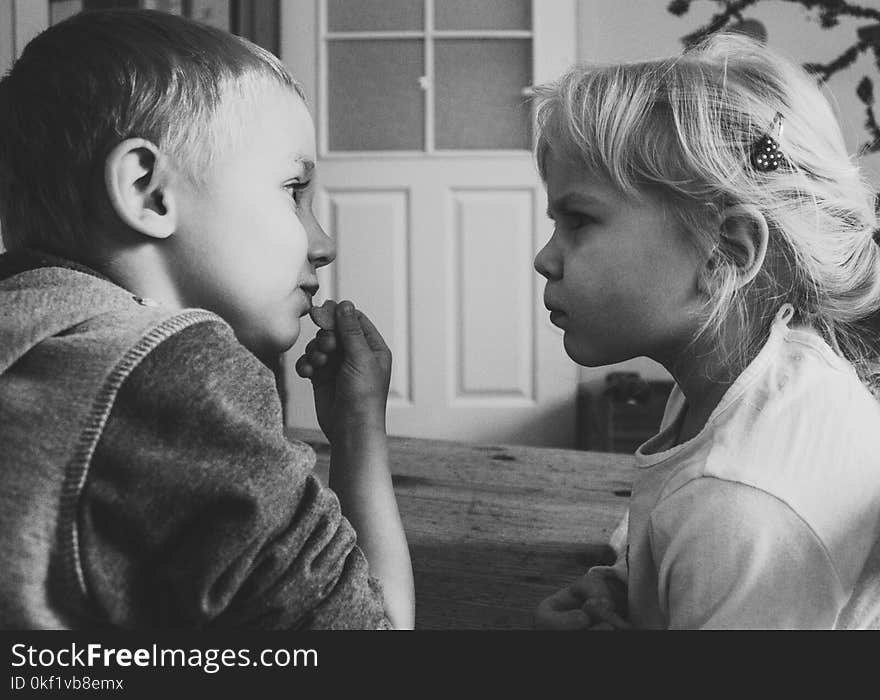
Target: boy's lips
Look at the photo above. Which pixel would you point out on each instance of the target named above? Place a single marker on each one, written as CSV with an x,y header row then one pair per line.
x,y
309,289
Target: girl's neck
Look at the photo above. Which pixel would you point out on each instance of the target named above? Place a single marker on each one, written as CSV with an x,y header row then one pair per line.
x,y
703,384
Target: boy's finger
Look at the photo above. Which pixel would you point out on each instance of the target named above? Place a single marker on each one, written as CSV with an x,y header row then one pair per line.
x,y
324,315
348,328
303,368
373,336
326,341
318,358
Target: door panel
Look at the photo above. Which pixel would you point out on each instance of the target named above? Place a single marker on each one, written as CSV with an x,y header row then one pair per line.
x,y
491,328
372,227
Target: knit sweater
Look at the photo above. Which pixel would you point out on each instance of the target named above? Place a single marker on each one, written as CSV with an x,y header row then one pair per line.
x,y
145,480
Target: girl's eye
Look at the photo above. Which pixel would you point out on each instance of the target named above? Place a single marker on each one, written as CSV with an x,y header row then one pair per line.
x,y
574,221
570,220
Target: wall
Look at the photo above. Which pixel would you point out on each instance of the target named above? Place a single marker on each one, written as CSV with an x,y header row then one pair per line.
x,y
632,30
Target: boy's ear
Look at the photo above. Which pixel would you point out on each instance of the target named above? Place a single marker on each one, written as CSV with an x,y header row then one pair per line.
x,y
137,188
744,235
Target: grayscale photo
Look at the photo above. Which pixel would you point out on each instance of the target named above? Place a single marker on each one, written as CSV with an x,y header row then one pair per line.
x,y
534,315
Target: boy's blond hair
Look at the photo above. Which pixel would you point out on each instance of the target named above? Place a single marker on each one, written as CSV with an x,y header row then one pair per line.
x,y
96,79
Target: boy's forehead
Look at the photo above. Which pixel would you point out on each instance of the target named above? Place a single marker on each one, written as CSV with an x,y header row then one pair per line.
x,y
276,114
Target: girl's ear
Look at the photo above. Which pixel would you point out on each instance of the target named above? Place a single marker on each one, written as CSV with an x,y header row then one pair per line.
x,y
138,188
744,236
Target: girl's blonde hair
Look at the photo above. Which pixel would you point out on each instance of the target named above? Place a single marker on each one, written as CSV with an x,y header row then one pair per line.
x,y
684,128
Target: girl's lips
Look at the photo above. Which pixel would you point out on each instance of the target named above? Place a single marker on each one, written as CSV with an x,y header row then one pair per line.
x,y
558,318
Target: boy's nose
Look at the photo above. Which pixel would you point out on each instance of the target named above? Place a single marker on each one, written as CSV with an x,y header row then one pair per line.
x,y
547,262
322,248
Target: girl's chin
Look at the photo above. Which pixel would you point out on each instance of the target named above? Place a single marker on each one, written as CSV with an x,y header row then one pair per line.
x,y
587,355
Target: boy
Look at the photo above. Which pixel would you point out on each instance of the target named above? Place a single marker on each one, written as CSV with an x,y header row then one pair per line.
x,y
156,204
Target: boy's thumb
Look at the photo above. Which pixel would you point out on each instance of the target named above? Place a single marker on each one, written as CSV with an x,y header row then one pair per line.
x,y
348,328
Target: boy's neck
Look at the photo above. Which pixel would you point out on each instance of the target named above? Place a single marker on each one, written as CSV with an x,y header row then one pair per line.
x,y
142,270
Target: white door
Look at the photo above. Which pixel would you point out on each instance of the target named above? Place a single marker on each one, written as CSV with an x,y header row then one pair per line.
x,y
426,180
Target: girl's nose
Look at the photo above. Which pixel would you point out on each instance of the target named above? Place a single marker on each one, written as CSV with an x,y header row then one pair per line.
x,y
322,248
547,262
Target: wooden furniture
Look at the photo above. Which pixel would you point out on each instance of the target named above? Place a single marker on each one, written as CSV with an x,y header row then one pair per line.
x,y
494,529
622,414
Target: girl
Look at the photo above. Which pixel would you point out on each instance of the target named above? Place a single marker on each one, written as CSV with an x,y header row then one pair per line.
x,y
707,216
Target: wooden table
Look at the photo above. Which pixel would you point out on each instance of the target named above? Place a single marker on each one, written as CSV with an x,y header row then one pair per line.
x,y
494,529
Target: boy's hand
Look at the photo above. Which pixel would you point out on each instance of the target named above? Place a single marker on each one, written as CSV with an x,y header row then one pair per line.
x,y
350,368
592,602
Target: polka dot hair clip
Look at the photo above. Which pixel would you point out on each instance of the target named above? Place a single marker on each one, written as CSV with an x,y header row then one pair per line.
x,y
766,156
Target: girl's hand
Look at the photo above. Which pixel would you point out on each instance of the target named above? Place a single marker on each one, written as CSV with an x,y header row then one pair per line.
x,y
349,365
592,602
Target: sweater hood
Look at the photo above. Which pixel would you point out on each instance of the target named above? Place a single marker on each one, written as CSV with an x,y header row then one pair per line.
x,y
42,297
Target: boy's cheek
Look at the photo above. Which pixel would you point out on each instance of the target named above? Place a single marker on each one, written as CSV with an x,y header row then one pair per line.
x,y
270,337
286,335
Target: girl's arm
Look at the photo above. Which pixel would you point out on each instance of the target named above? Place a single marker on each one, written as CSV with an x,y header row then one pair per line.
x,y
596,600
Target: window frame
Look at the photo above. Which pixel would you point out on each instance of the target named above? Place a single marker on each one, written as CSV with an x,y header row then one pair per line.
x,y
429,35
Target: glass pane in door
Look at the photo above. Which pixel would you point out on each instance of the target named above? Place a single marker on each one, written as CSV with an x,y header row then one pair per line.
x,y
479,95
375,102
485,14
375,15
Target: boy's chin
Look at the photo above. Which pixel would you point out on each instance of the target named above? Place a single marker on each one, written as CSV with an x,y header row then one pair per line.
x,y
269,347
